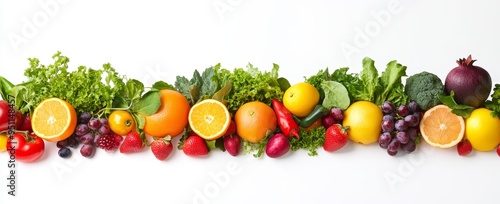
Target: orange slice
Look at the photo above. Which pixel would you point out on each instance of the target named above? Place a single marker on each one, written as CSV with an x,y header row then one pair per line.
x,y
209,119
54,120
442,128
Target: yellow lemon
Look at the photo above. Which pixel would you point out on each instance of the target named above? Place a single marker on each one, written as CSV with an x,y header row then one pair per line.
x,y
363,119
482,130
3,142
301,98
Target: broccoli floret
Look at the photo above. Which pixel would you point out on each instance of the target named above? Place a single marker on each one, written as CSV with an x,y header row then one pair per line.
x,y
424,88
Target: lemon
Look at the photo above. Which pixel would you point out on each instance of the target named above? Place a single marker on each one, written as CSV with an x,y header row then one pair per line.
x,y
363,119
482,130
301,98
3,142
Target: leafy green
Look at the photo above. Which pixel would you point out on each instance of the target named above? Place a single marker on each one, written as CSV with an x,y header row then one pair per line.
x,y
336,95
458,109
83,88
256,148
200,86
5,87
159,85
249,85
494,103
309,140
148,104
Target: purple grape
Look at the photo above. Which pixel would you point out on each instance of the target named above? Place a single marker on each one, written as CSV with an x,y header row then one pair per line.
x,y
388,117
64,152
393,145
104,129
401,125
104,121
87,138
391,153
96,137
411,120
413,106
328,121
384,140
87,150
412,133
409,147
402,137
403,110
84,117
73,143
387,125
418,115
94,124
81,129
387,107
62,143
337,114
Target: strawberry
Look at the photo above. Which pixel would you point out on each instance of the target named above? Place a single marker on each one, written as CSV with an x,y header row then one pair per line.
x,y
336,137
464,148
162,148
195,146
232,144
132,143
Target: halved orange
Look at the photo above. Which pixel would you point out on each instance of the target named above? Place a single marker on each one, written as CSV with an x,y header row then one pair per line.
x,y
209,119
441,128
54,120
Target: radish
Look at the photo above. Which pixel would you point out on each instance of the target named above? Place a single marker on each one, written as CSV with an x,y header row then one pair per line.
x,y
277,146
232,144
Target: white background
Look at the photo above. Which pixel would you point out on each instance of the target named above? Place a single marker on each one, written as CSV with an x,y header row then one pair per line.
x,y
158,40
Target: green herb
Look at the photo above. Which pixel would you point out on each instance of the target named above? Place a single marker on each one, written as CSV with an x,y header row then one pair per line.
x,y
200,86
83,88
494,103
309,140
458,109
256,148
336,95
249,85
316,80
5,87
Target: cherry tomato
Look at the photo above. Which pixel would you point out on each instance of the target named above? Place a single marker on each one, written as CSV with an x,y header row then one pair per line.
x,y
26,148
4,116
121,122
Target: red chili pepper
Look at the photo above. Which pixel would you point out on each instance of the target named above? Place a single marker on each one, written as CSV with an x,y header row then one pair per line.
x,y
285,119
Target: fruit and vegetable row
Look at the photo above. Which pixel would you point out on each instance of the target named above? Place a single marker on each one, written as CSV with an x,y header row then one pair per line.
x,y
86,111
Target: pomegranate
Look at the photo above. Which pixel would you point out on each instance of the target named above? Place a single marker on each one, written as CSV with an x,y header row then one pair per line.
x,y
471,84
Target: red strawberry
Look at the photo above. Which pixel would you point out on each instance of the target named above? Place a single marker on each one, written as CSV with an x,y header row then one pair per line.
x,y
232,144
232,128
195,146
498,150
162,148
336,137
464,148
132,143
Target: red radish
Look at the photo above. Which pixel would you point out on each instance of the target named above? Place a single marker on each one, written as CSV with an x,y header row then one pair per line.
x,y
277,146
232,144
471,84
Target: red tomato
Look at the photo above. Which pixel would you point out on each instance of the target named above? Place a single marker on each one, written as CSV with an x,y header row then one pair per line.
x,y
4,117
26,148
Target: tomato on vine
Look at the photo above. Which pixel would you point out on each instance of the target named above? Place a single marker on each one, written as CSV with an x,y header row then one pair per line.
x,y
121,122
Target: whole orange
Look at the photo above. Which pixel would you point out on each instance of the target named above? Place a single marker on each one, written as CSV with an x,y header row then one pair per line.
x,y
172,116
254,121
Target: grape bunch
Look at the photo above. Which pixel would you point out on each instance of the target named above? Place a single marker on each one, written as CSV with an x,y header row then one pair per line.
x,y
400,127
92,133
336,116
